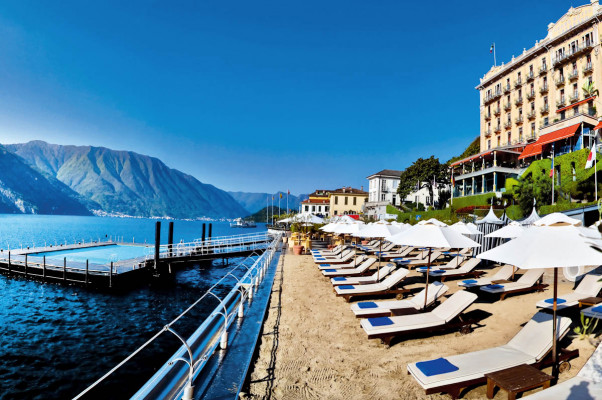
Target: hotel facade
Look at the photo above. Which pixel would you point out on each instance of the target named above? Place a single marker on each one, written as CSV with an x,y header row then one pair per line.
x,y
543,101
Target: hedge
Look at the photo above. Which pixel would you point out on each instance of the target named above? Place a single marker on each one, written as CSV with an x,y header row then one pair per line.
x,y
475,200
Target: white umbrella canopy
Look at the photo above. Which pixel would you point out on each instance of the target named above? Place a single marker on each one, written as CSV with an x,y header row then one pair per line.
x,y
557,245
531,218
432,221
347,219
510,231
465,229
328,227
347,229
377,231
491,218
557,218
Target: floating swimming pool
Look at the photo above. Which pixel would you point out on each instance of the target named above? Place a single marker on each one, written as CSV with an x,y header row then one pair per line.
x,y
96,255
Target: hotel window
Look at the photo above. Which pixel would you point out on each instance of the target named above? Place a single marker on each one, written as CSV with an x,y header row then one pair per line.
x,y
562,95
545,81
489,144
382,198
518,77
313,208
346,200
498,141
531,69
543,63
520,92
306,208
520,134
508,99
588,39
588,60
508,118
532,128
573,47
336,199
574,67
520,112
532,88
546,121
355,201
545,101
509,137
575,90
532,106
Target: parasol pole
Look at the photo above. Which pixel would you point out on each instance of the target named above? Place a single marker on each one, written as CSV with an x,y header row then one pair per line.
x,y
428,268
554,328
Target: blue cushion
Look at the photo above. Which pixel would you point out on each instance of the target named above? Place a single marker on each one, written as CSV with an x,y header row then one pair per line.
x,y
597,309
421,269
320,258
401,260
367,304
496,286
380,321
558,301
324,265
437,271
330,270
345,287
436,367
339,278
469,281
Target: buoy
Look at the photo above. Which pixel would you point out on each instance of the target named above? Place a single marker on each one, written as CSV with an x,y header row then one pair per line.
x,y
241,310
188,392
223,343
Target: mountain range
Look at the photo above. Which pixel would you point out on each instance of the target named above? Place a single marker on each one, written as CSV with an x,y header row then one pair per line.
x,y
254,202
38,177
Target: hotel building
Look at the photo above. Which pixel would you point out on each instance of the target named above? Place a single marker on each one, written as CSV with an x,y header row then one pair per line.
x,y
538,103
318,203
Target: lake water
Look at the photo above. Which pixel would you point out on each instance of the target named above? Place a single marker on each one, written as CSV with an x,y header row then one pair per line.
x,y
56,340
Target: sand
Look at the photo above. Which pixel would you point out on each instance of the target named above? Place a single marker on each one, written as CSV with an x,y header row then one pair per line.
x,y
313,347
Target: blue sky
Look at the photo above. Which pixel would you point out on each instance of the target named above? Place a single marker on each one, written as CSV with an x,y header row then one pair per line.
x,y
258,96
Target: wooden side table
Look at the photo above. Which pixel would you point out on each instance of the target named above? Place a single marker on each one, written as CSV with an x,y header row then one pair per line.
x,y
590,301
516,380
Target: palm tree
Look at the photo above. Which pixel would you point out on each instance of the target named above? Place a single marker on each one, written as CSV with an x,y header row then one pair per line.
x,y
589,89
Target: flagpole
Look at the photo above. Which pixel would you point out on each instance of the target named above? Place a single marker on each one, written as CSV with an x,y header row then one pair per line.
x,y
267,210
279,198
287,192
596,169
494,62
553,174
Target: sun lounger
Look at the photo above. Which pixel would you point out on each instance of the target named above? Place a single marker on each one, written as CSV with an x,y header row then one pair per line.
x,y
453,373
412,263
587,384
396,254
351,264
344,258
454,263
390,285
466,269
361,269
335,251
503,274
445,316
588,287
526,283
399,307
363,280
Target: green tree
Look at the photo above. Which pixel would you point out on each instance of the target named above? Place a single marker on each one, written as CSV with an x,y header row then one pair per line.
x,y
421,174
527,190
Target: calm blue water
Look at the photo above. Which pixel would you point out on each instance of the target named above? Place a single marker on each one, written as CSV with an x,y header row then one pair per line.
x,y
96,255
56,340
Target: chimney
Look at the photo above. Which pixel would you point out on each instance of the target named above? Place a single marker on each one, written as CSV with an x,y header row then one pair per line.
x,y
362,188
344,189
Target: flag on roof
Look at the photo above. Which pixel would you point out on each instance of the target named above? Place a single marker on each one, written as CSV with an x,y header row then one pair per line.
x,y
491,48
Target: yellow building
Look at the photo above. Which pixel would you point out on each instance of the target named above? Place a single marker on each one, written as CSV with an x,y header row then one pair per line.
x,y
346,201
538,103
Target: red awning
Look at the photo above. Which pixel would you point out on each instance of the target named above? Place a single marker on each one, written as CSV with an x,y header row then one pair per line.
x,y
599,126
558,135
576,104
530,150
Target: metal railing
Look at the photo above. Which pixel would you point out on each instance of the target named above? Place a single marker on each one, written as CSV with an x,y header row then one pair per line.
x,y
186,364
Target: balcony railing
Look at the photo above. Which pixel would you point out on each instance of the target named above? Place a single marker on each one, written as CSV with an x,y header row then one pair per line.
x,y
487,132
531,95
573,75
574,98
508,125
543,89
497,111
530,137
518,101
576,50
518,83
543,69
531,115
560,80
519,120
588,68
497,129
507,88
543,124
559,59
561,102
544,109
507,106
487,115
530,76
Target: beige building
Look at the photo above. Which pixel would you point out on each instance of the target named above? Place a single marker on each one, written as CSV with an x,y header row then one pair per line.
x,y
537,103
346,201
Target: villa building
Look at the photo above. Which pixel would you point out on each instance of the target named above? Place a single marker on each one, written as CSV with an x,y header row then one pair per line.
x,y
382,191
542,101
347,200
318,203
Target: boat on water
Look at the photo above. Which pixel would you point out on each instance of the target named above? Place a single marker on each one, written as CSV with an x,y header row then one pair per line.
x,y
241,223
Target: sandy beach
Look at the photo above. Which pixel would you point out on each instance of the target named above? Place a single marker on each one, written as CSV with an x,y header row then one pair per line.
x,y
313,347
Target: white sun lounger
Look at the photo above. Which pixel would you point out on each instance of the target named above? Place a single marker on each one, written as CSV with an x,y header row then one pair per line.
x,y
397,254
351,264
390,285
335,251
361,269
466,269
410,263
363,280
525,283
502,274
529,346
405,306
454,263
587,384
385,328
588,287
342,259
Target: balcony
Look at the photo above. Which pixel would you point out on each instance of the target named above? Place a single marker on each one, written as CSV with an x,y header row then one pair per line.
x,y
561,102
576,50
574,98
508,125
543,89
543,69
543,124
518,120
559,59
518,101
507,106
531,115
497,111
489,98
544,110
487,132
530,76
518,83
560,80
574,75
588,68
487,115
497,129
507,88
531,95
